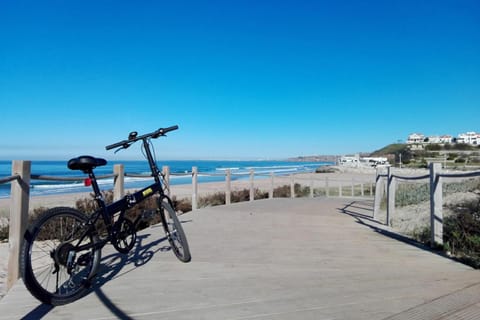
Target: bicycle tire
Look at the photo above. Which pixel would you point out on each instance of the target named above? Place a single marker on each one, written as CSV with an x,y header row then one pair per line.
x,y
47,255
174,231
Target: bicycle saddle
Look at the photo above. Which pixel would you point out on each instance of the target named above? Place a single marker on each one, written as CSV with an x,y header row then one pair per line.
x,y
85,163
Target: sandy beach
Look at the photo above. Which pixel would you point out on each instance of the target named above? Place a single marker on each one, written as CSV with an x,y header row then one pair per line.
x,y
341,176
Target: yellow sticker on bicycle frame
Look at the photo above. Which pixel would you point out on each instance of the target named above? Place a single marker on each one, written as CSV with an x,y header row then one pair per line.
x,y
146,192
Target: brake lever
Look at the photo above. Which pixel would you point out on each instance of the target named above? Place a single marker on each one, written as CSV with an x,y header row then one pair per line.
x,y
125,146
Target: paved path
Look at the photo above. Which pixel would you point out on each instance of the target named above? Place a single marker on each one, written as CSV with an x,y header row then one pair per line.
x,y
273,259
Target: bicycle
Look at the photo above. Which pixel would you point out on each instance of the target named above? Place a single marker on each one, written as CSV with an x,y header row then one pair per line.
x,y
62,248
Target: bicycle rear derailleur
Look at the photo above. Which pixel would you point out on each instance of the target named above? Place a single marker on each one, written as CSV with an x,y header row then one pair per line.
x,y
124,235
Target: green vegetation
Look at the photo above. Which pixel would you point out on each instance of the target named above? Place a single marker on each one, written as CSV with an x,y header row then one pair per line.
x,y
4,232
395,152
394,148
408,194
456,155
461,228
461,234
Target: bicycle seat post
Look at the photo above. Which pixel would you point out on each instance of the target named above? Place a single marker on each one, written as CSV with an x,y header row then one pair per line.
x,y
86,164
96,189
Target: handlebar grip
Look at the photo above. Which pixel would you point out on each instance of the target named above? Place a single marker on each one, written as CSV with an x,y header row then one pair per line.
x,y
116,145
165,130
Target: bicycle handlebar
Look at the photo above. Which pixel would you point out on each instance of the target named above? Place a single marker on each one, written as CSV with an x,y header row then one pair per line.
x,y
134,138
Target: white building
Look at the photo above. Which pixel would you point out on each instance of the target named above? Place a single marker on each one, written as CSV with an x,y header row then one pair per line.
x,y
357,161
433,139
469,138
374,161
446,139
351,161
415,138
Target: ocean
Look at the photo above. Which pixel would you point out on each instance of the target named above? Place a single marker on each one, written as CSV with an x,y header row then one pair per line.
x,y
180,170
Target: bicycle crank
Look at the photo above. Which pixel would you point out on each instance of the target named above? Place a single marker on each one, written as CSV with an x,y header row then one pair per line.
x,y
124,235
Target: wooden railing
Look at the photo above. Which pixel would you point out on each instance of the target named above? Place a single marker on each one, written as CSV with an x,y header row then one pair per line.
x,y
386,184
20,196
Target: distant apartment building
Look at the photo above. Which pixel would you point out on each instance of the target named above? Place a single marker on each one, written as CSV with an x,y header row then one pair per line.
x,y
440,139
471,138
416,138
446,139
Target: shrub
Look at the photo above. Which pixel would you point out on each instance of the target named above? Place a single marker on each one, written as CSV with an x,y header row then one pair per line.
x,y
433,147
281,192
301,191
408,194
422,235
461,233
326,169
215,199
236,196
4,232
452,156
240,196
182,205
462,229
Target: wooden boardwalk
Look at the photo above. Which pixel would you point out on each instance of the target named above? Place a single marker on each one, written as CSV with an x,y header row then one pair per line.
x,y
273,259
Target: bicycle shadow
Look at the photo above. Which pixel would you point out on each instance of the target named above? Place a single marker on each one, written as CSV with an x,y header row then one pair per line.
x,y
112,265
110,268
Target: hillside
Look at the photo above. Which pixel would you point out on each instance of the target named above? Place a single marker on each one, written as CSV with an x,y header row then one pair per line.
x,y
453,155
394,148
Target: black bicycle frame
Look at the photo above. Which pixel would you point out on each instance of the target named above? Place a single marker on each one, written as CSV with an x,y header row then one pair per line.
x,y
127,202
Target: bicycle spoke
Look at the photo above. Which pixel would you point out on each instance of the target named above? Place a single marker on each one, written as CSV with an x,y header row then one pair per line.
x,y
50,250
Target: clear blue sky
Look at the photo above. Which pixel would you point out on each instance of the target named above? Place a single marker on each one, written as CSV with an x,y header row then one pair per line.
x,y
242,79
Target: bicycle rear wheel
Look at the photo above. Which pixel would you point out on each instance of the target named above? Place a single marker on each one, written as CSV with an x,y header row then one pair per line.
x,y
174,231
54,270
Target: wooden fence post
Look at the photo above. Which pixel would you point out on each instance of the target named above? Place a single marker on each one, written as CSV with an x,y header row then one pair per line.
x,y
391,186
311,188
252,190
379,192
194,188
20,192
327,188
166,178
292,186
270,193
228,180
436,199
118,181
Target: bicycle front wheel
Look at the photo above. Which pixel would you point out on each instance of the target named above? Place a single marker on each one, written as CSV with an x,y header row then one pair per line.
x,y
55,269
174,231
